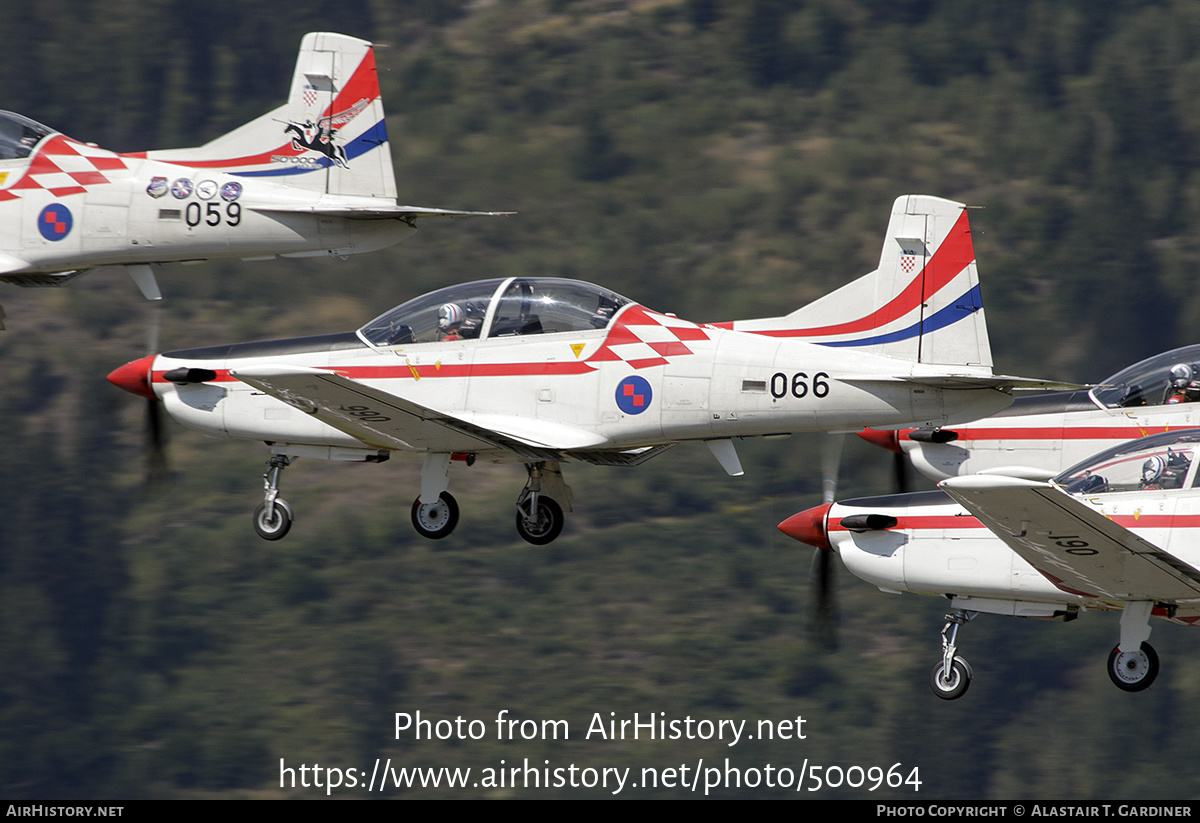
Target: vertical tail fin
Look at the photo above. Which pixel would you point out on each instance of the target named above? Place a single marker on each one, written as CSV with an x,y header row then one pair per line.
x,y
921,304
329,137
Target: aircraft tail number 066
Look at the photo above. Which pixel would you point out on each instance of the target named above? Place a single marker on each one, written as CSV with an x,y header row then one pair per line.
x,y
798,385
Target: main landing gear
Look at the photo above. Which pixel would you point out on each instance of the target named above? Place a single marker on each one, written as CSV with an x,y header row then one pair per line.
x,y
951,676
539,514
1135,668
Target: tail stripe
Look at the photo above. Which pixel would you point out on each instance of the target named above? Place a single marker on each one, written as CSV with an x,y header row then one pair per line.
x,y
965,306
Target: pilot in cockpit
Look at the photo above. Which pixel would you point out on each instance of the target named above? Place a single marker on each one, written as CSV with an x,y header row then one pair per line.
x,y
1183,384
1168,472
455,323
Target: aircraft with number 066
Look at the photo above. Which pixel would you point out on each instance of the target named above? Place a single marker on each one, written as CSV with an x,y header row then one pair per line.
x,y
1117,532
1039,436
543,371
311,178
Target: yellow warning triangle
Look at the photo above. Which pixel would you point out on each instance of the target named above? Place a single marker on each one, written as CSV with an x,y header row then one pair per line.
x,y
577,348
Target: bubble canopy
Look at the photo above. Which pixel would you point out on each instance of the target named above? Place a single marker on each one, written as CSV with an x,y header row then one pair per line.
x,y
1145,383
1160,461
494,308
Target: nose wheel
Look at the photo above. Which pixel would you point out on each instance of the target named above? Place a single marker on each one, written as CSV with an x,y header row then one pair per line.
x,y
435,520
273,517
273,523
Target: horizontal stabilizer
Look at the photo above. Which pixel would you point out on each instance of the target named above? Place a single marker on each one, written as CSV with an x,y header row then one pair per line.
x,y
1004,382
376,212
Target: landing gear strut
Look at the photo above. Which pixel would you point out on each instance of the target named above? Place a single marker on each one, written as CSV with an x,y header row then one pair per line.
x,y
951,676
539,517
273,517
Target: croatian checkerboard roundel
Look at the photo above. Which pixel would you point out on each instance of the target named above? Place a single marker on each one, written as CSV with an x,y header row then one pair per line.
x,y
54,221
633,395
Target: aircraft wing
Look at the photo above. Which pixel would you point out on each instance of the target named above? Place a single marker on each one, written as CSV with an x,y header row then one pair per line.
x,y
1074,546
388,421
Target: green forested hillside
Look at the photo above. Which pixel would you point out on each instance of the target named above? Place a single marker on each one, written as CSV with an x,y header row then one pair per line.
x,y
714,158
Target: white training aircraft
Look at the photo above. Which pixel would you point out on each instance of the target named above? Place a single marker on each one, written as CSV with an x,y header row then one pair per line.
x,y
311,178
1039,436
541,371
1116,532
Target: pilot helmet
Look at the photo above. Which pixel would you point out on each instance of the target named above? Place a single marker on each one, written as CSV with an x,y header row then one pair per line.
x,y
1153,468
449,316
1181,375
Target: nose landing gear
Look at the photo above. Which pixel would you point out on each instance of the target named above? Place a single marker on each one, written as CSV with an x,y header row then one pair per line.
x,y
951,676
273,518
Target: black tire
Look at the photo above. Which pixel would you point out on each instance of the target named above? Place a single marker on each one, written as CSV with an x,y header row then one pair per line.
x,y
276,527
436,520
956,685
547,526
1135,671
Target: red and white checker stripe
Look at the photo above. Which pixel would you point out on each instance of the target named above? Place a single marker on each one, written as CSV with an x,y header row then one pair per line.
x,y
643,338
63,166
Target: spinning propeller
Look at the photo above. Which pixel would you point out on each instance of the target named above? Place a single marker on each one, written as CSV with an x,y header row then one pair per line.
x,y
822,568
134,377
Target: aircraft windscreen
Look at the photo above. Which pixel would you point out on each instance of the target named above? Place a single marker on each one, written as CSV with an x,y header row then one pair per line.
x,y
1161,461
18,135
1170,377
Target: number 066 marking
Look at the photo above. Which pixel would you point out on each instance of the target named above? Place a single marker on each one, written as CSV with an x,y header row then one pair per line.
x,y
798,385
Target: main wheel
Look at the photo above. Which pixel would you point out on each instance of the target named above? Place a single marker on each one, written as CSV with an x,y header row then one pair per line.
x,y
545,527
276,526
435,520
1133,671
954,686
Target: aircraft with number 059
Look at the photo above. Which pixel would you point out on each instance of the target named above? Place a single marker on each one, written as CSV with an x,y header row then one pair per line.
x,y
543,371
1039,436
1117,532
311,178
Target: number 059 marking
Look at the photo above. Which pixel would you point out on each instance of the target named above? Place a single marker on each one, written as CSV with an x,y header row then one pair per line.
x,y
798,385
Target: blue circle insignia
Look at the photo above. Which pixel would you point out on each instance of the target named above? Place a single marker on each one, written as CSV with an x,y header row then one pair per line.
x,y
633,395
181,188
54,221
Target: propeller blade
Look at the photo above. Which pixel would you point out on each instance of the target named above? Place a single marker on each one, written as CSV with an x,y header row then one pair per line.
x,y
157,469
900,473
824,606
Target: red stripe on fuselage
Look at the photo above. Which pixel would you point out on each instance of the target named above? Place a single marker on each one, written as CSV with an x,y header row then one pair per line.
x,y
402,372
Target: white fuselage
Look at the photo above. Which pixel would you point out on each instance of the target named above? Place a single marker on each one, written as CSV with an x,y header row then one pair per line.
x,y
648,379
939,548
129,210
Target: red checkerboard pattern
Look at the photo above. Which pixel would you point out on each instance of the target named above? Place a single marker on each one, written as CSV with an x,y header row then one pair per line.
x,y
63,166
643,338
